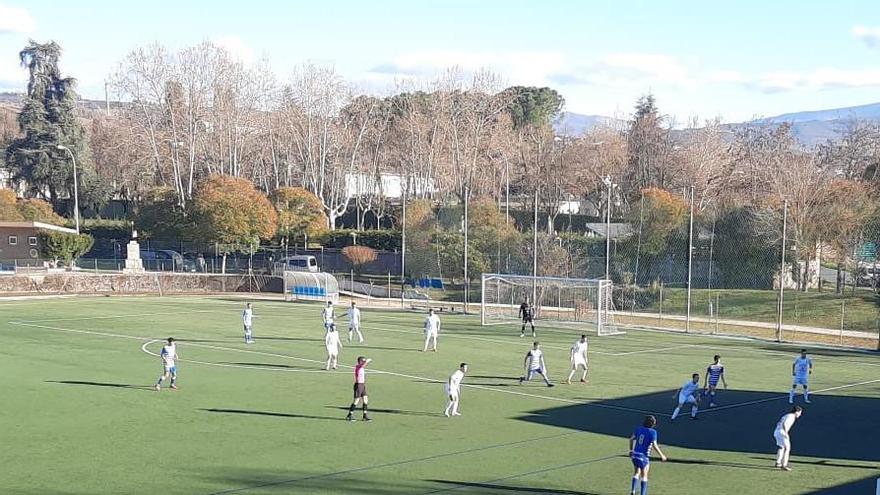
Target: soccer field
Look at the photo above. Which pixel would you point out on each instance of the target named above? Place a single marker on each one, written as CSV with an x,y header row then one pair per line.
x,y
79,414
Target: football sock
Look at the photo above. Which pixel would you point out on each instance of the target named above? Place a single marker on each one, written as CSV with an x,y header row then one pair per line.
x,y
635,484
694,412
675,413
644,487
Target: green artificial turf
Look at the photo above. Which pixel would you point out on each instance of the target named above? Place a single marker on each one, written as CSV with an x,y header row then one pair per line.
x,y
78,414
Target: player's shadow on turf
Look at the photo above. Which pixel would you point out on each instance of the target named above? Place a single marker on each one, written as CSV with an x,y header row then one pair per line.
x,y
272,414
832,427
456,485
101,384
394,411
280,366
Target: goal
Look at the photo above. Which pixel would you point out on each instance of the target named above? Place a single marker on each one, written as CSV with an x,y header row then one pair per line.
x,y
584,303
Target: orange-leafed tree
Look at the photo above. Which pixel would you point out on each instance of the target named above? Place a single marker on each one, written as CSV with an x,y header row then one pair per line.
x,y
233,213
359,256
661,215
37,210
300,214
9,211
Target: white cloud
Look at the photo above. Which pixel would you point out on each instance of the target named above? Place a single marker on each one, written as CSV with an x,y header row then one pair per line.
x,y
236,47
817,80
15,20
870,35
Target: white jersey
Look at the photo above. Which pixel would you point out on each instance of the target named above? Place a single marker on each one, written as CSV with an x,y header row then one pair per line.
x,y
802,367
432,324
331,341
579,351
354,317
327,315
785,423
453,386
247,317
688,389
169,355
536,356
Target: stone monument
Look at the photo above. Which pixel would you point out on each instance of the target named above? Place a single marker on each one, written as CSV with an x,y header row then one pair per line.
x,y
133,262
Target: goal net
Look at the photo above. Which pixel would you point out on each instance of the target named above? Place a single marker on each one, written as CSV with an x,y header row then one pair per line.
x,y
585,303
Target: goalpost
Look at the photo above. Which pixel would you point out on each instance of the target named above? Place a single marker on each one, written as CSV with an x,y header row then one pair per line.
x,y
585,303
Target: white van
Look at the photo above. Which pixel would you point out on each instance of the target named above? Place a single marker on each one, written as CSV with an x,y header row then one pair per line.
x,y
302,263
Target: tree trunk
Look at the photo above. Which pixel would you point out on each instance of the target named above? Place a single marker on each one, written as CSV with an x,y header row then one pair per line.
x,y
838,287
223,265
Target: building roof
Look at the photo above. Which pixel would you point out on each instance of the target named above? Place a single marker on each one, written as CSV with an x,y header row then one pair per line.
x,y
36,225
617,230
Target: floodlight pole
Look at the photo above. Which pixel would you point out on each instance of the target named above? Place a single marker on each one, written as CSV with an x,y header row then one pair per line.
x,y
535,253
782,272
466,275
75,185
608,184
403,242
687,325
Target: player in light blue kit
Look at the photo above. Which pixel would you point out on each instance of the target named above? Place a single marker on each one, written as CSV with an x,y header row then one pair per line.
x,y
642,441
801,369
714,374
687,395
169,367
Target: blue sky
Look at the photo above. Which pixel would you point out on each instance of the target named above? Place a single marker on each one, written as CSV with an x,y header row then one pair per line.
x,y
731,59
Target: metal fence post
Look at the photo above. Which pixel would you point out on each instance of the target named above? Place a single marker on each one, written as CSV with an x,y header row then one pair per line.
x,y
842,317
782,273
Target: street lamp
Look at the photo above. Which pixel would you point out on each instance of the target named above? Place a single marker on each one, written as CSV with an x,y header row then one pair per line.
x,y
75,185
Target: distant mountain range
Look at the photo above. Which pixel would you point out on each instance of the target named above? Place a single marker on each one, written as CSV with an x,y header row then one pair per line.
x,y
810,128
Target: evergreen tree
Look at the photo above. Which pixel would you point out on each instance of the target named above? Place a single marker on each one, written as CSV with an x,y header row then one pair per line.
x,y
48,119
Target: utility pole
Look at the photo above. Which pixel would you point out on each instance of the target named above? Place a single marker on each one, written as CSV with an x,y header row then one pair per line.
x,y
467,281
535,253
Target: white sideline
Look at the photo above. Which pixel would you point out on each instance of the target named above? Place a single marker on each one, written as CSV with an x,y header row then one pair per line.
x,y
378,371
781,396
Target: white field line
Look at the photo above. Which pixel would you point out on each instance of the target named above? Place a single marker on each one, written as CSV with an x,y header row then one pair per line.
x,y
229,365
109,317
781,396
671,348
391,373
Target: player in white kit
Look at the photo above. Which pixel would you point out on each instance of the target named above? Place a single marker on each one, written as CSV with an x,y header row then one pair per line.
x,y
578,359
801,370
782,435
432,329
247,319
327,315
168,354
354,323
453,390
687,395
534,364
332,343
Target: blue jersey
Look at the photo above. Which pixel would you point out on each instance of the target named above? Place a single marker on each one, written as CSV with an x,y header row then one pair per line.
x,y
715,371
645,438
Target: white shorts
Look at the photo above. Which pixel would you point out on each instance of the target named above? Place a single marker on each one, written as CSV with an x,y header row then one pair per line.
x,y
247,328
782,439
578,361
801,380
430,334
354,326
332,351
451,393
686,399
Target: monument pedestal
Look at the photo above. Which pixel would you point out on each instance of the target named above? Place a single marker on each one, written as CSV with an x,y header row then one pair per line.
x,y
133,262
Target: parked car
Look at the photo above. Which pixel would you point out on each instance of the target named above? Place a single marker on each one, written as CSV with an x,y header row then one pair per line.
x,y
868,276
301,263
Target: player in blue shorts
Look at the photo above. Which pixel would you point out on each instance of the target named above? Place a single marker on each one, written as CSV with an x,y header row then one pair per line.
x,y
642,441
714,374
